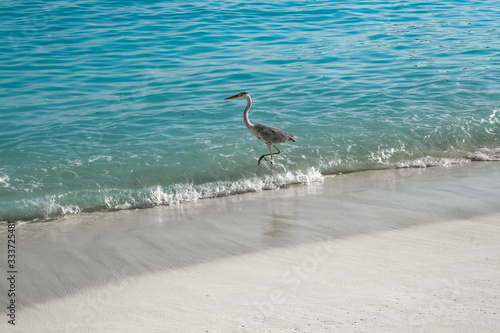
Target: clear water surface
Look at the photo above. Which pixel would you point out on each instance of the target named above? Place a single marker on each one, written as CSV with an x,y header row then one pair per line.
x,y
112,105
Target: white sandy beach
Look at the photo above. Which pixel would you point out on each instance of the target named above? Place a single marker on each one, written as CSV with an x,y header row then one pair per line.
x,y
382,251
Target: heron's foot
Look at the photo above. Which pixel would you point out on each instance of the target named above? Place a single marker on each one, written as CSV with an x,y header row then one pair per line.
x,y
263,157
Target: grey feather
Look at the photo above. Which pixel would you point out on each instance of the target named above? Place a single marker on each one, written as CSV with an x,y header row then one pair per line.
x,y
272,135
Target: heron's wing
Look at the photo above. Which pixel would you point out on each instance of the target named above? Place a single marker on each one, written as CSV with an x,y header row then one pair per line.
x,y
271,135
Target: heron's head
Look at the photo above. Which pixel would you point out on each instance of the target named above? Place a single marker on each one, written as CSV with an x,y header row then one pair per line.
x,y
240,95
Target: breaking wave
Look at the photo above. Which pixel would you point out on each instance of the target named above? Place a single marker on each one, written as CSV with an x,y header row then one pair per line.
x,y
53,206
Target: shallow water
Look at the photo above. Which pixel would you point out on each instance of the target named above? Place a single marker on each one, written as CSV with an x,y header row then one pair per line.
x,y
107,106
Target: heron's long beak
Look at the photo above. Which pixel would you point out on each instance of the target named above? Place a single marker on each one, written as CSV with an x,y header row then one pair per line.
x,y
232,97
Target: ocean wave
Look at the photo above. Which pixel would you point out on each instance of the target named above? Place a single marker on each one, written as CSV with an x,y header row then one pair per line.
x,y
429,161
485,154
4,181
53,206
179,193
481,155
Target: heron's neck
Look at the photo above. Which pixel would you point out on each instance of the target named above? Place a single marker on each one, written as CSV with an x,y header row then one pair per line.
x,y
248,124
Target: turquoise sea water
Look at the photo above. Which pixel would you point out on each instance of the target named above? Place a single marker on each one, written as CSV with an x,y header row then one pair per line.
x,y
119,104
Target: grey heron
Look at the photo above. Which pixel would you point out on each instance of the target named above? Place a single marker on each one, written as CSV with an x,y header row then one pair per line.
x,y
269,135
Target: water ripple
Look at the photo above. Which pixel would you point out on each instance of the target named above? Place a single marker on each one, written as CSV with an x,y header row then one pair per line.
x,y
100,98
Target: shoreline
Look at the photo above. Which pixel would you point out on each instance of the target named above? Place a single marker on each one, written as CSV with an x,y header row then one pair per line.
x,y
157,199
93,254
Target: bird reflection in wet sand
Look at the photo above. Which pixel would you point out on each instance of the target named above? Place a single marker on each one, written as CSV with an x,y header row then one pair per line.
x,y
278,225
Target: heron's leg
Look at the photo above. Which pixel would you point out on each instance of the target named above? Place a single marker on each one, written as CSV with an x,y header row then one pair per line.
x,y
270,154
